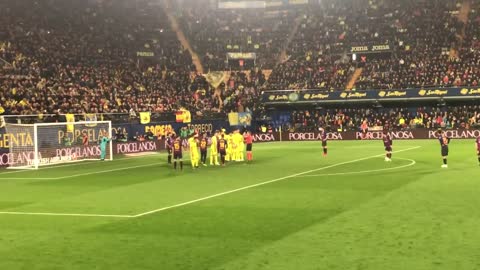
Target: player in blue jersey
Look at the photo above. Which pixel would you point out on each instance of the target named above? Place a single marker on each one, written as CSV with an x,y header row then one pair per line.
x,y
324,138
169,146
444,142
387,143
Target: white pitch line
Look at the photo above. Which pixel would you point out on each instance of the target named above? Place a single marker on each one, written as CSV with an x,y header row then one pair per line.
x,y
412,162
82,174
71,164
64,214
204,198
262,183
83,163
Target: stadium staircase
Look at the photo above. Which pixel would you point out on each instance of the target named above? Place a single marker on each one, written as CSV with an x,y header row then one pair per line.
x,y
463,17
356,74
181,37
283,54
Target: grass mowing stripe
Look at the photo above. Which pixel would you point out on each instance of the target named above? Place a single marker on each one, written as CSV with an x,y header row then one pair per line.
x,y
412,162
81,174
196,200
263,183
72,164
64,214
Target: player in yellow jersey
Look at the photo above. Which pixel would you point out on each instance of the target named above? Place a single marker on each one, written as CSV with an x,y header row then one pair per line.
x,y
236,141
241,146
214,150
194,155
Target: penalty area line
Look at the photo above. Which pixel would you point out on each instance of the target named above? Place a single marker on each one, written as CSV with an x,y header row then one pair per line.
x,y
263,183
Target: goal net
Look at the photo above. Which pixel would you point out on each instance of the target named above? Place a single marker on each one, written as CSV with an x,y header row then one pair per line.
x,y
34,145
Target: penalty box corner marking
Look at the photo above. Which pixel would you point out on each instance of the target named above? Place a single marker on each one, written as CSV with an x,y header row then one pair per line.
x,y
201,199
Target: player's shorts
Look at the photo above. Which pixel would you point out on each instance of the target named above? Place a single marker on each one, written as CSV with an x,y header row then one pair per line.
x,y
388,148
213,153
324,143
177,155
202,151
444,151
364,131
222,152
249,147
169,150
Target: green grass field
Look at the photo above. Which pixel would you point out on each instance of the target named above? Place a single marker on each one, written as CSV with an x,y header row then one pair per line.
x,y
290,209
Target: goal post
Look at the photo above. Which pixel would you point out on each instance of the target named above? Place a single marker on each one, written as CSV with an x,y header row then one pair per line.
x,y
42,144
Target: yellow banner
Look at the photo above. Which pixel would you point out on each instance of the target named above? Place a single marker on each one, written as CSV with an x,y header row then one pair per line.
x,y
233,119
144,117
70,119
89,117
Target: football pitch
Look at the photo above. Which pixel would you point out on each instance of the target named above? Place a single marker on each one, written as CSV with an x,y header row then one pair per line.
x,y
291,208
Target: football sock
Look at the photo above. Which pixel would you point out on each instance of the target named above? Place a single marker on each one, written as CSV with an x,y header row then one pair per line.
x,y
169,159
175,165
445,161
325,151
181,165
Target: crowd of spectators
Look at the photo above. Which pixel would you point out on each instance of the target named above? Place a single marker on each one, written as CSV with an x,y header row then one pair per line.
x,y
419,35
342,119
214,32
122,56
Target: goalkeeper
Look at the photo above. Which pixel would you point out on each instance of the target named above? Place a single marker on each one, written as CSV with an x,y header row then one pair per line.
x,y
103,147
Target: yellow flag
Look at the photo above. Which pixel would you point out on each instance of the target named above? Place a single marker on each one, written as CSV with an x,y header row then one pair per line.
x,y
90,117
187,117
215,78
144,117
70,119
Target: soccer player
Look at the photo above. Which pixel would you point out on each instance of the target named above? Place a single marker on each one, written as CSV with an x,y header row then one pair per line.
x,y
103,146
324,141
444,142
169,146
364,128
194,156
214,150
240,146
85,139
177,153
387,143
229,139
222,148
203,149
477,144
249,141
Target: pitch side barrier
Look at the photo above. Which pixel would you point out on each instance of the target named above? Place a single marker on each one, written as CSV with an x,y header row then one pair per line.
x,y
413,134
92,150
83,152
